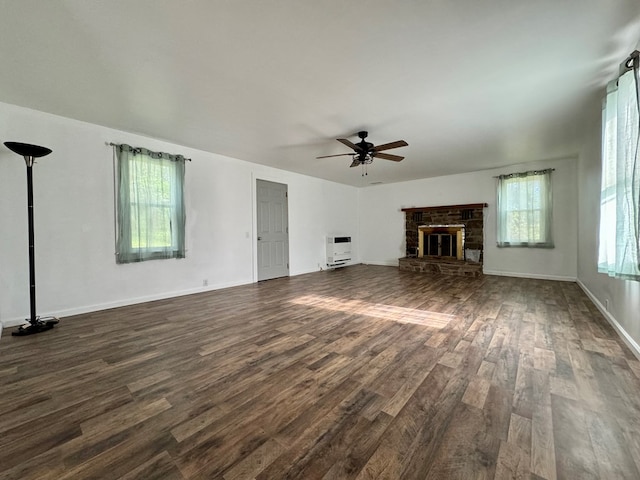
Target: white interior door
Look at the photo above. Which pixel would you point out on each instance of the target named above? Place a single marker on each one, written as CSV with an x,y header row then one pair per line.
x,y
273,230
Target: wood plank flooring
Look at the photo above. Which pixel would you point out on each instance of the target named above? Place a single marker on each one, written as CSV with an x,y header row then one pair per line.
x,y
360,373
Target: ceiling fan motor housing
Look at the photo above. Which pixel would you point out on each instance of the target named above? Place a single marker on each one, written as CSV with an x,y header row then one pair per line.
x,y
366,146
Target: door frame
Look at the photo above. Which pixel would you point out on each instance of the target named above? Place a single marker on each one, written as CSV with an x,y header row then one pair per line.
x,y
254,221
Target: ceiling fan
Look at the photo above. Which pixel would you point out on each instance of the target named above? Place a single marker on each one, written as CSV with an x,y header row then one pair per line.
x,y
365,152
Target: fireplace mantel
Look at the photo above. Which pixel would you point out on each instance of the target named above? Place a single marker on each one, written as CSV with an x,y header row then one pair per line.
x,y
466,206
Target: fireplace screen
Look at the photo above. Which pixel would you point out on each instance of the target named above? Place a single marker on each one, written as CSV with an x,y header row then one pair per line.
x,y
442,245
441,241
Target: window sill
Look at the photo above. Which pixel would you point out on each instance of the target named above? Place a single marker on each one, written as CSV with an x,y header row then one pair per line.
x,y
526,245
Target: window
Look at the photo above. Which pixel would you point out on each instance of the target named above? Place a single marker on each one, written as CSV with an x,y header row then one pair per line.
x,y
150,205
524,209
619,247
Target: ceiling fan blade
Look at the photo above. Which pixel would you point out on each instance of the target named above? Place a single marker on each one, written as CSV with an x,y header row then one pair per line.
x,y
387,156
350,144
355,163
340,155
389,146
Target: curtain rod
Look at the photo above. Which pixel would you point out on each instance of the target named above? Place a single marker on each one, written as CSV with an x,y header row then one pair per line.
x,y
111,144
530,171
630,62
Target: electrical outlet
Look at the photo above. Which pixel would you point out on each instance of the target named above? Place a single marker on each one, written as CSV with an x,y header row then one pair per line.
x,y
606,304
205,282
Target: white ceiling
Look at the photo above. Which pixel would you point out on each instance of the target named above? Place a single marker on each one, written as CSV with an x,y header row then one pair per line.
x,y
468,84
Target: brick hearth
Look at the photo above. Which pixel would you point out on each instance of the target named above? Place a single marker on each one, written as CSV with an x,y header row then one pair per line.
x,y
440,265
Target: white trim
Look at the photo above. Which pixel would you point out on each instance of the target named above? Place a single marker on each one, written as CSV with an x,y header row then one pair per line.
x,y
307,271
628,339
14,322
383,263
536,276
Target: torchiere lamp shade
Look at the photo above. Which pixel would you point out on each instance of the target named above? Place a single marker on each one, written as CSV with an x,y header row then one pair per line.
x,y
27,150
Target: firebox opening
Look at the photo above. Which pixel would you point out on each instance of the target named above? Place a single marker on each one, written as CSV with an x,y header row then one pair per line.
x,y
441,241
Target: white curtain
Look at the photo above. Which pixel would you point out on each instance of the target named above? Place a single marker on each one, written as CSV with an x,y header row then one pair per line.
x,y
525,206
618,252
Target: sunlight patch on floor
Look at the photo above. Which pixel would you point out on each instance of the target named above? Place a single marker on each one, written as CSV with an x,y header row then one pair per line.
x,y
377,310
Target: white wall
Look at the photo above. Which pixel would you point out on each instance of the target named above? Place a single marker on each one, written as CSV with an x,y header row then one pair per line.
x,y
382,221
74,220
623,296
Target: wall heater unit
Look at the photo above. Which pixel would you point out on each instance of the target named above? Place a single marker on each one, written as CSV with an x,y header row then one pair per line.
x,y
338,251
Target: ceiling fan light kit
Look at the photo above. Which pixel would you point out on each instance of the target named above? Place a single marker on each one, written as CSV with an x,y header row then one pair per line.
x,y
364,152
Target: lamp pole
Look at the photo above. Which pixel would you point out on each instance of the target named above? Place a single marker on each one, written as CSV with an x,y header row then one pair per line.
x,y
32,246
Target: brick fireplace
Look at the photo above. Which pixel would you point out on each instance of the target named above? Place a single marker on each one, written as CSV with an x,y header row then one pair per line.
x,y
438,239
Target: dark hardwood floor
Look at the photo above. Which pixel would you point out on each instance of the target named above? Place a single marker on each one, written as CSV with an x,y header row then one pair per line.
x,y
360,373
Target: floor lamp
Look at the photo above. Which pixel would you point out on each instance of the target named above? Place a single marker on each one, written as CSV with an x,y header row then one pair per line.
x,y
30,152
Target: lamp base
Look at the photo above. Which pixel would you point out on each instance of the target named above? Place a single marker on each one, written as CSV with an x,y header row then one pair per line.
x,y
36,326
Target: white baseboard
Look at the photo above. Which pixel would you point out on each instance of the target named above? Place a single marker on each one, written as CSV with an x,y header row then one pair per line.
x,y
382,263
536,276
628,339
14,322
322,267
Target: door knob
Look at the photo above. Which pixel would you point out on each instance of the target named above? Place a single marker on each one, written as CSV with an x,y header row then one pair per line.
x,y
259,238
